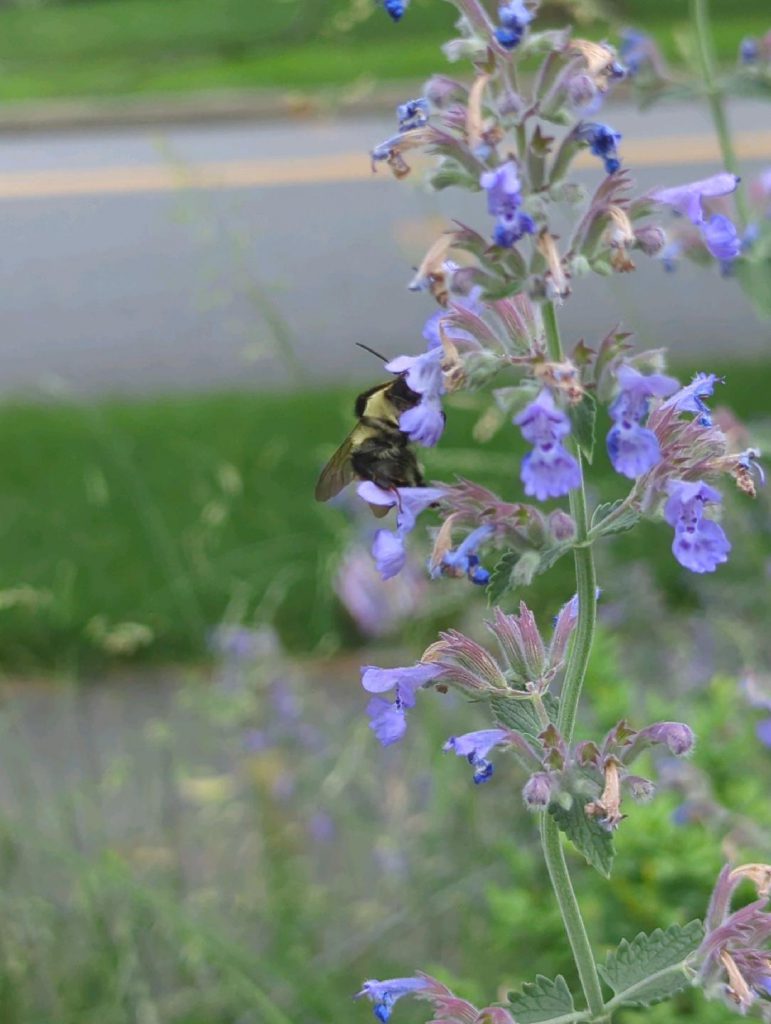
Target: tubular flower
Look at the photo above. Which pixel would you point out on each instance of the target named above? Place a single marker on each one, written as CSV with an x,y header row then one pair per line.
x,y
514,18
699,543
602,142
464,560
721,238
549,471
395,9
691,397
388,548
633,448
424,423
719,233
734,960
636,50
475,746
687,200
387,719
384,994
412,114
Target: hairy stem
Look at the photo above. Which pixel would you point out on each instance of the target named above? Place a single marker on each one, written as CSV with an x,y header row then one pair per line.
x,y
716,97
571,693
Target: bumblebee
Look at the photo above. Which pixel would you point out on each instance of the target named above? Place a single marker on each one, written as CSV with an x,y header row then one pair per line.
x,y
376,449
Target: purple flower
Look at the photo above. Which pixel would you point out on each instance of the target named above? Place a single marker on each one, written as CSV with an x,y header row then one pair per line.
x,y
549,471
503,187
514,18
411,501
475,746
537,791
412,114
383,994
676,735
763,732
504,198
721,238
691,397
749,51
464,561
633,449
424,423
395,9
389,553
687,199
510,228
388,720
602,142
635,50
699,544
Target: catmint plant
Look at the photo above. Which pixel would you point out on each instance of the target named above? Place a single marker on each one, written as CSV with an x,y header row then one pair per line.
x,y
499,287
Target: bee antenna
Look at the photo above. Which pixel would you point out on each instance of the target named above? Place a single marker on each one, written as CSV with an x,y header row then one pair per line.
x,y
372,351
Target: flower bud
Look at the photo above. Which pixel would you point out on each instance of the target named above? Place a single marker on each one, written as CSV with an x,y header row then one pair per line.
x,y
561,526
641,789
581,90
677,736
441,91
651,239
537,791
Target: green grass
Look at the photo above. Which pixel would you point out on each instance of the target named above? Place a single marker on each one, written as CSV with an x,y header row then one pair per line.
x,y
176,512
129,47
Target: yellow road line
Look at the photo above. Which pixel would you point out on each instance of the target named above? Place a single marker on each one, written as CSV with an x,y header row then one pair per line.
x,y
661,151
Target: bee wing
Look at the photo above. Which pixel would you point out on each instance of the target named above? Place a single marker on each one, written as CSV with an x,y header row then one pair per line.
x,y
337,473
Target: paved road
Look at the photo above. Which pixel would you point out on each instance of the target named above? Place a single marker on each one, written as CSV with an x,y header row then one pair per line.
x,y
192,258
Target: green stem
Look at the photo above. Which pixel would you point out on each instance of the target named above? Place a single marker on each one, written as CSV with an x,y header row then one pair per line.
x,y
571,693
716,98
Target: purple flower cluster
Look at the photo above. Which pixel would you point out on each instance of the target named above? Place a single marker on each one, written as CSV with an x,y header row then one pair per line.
x,y
699,543
514,18
633,448
549,471
388,720
504,199
384,994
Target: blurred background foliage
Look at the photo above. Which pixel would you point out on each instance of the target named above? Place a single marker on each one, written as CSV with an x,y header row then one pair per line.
x,y
246,853
114,47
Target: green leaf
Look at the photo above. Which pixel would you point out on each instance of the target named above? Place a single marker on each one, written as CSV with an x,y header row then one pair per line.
x,y
585,833
542,1000
650,968
624,521
583,419
515,569
520,715
500,577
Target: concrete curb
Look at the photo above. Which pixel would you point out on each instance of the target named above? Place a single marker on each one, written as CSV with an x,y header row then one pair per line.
x,y
200,108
